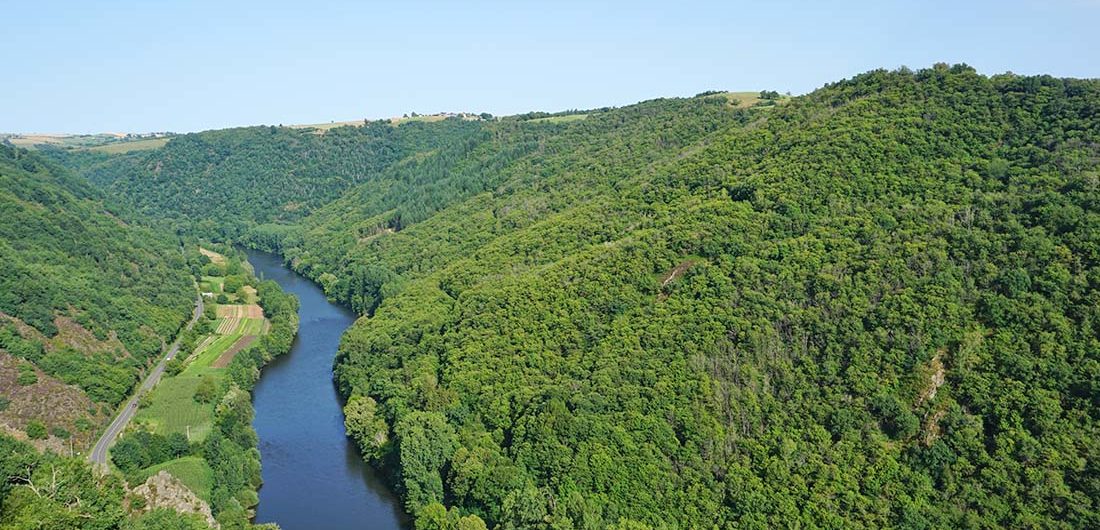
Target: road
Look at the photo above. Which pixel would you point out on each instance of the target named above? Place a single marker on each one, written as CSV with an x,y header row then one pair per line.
x,y
98,456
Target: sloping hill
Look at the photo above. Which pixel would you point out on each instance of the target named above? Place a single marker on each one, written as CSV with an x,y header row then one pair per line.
x,y
85,297
872,306
847,248
228,180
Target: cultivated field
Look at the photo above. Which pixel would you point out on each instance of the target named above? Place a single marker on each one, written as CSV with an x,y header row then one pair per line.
x,y
134,145
172,408
242,343
239,320
560,119
204,356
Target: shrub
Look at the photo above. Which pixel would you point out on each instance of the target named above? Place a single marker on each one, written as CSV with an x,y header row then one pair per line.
x,y
27,375
36,430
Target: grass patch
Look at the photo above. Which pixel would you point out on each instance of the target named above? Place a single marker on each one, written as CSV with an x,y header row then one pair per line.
x,y
172,407
251,326
215,258
200,365
128,146
560,119
212,284
192,471
744,100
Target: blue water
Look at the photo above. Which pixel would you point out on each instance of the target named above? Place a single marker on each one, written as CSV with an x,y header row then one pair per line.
x,y
314,479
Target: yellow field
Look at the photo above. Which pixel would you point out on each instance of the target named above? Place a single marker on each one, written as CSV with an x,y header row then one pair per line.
x,y
215,258
126,147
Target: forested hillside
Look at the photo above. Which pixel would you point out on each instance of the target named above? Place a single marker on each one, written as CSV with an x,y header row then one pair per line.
x,y
227,180
876,305
87,300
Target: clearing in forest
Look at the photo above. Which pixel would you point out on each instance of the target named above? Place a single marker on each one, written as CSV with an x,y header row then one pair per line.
x,y
215,258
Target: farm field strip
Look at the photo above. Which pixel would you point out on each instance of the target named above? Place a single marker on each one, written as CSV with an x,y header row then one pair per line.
x,y
226,357
240,311
227,325
202,345
172,408
234,319
211,352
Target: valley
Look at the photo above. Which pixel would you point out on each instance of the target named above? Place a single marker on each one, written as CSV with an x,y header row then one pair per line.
x,y
874,305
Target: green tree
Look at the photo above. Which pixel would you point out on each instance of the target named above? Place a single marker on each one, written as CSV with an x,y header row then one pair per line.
x,y
206,391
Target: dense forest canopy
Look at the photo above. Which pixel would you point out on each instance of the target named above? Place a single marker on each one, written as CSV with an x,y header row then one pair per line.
x,y
876,305
227,180
120,291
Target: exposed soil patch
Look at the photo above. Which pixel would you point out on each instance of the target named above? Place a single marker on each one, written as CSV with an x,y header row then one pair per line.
x,y
225,358
671,276
71,333
49,400
932,430
25,330
240,311
374,234
935,381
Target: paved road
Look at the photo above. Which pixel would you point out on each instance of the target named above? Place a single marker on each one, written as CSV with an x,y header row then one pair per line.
x,y
98,456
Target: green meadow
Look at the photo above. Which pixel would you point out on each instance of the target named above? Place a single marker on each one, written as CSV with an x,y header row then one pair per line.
x,y
192,471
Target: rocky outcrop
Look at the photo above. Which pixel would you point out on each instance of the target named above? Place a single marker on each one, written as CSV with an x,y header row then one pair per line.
x,y
165,491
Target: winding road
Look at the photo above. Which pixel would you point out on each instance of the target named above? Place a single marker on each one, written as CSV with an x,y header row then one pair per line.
x,y
98,456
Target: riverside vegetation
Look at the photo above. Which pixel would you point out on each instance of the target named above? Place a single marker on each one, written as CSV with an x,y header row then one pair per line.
x,y
197,423
874,305
88,302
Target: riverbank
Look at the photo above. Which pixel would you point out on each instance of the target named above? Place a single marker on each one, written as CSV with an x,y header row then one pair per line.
x,y
195,426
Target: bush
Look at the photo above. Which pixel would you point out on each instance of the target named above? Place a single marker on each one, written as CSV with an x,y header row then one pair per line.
x,y
207,391
233,284
27,375
36,430
143,449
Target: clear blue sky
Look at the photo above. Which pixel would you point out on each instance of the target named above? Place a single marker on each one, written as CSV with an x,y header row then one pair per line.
x,y
91,66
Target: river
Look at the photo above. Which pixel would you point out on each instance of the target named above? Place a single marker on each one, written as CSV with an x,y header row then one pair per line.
x,y
313,475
